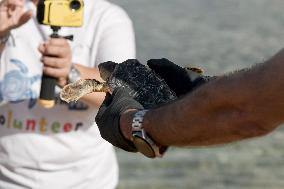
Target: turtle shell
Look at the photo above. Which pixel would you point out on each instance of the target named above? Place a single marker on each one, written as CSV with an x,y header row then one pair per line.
x,y
144,84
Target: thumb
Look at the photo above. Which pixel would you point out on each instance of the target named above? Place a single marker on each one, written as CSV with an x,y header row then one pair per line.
x,y
108,100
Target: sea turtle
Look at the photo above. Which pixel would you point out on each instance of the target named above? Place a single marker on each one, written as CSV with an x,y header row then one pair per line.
x,y
143,84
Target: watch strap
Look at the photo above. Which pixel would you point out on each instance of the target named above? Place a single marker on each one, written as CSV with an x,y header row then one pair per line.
x,y
138,120
142,141
74,74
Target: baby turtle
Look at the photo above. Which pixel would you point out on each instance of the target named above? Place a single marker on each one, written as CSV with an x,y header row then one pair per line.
x,y
143,84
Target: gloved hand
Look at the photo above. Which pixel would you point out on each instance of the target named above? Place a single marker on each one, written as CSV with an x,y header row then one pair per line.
x,y
108,117
179,79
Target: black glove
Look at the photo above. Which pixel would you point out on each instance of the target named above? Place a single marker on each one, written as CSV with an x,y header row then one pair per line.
x,y
179,79
108,118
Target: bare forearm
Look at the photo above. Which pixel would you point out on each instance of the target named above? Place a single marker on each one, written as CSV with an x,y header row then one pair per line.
x,y
91,73
244,104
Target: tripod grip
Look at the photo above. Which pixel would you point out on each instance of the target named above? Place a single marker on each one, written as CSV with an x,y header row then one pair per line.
x,y
47,91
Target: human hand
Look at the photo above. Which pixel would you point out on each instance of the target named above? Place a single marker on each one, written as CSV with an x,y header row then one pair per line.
x,y
56,59
13,15
180,80
108,118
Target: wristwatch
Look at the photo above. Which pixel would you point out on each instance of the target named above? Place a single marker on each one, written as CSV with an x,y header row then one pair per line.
x,y
142,141
74,74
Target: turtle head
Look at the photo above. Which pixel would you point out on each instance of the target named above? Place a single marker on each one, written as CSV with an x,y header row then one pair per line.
x,y
106,69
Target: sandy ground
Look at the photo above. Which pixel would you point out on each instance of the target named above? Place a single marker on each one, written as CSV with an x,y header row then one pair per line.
x,y
220,36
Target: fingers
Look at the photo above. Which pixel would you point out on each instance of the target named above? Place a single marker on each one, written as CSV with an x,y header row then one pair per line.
x,y
56,53
55,62
13,3
55,72
15,13
24,18
58,47
57,67
175,76
56,58
12,6
162,65
167,70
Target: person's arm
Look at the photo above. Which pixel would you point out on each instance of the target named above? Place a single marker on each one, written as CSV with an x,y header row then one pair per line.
x,y
117,43
57,61
241,105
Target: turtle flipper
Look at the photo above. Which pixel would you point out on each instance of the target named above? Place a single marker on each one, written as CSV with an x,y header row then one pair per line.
x,y
74,91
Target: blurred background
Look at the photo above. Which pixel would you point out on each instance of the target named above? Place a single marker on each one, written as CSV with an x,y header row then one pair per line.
x,y
219,36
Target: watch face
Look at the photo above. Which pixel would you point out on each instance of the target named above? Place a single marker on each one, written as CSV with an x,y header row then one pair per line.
x,y
143,146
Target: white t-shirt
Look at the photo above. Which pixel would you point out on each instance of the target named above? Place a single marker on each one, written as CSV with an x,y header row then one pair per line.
x,y
58,148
